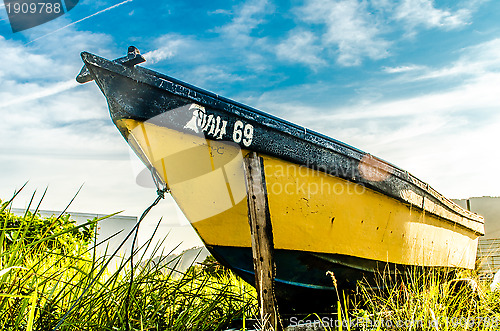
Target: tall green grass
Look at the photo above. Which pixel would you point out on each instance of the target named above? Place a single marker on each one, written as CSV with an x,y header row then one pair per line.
x,y
417,299
51,276
425,299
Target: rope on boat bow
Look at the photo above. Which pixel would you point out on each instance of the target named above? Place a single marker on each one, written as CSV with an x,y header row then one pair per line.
x,y
161,186
161,189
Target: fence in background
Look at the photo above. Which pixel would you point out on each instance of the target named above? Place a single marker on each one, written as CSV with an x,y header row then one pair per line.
x,y
488,258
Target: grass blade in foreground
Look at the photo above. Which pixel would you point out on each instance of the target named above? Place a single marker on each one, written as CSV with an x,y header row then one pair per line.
x,y
51,265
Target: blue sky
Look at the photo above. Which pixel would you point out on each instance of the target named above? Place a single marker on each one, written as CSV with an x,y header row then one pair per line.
x,y
414,82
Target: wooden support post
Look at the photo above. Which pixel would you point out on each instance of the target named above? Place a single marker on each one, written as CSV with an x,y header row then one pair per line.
x,y
262,240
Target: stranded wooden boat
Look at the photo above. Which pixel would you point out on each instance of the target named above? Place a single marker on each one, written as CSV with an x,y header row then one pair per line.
x,y
332,206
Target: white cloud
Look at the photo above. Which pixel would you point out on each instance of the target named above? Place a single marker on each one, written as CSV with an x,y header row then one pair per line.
x,y
40,72
22,64
234,48
204,62
479,93
383,5
44,111
356,30
402,69
351,30
167,47
41,92
73,41
78,21
423,13
159,54
220,12
473,61
175,46
301,47
246,18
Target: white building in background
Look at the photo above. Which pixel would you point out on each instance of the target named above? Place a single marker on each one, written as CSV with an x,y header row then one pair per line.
x,y
105,229
114,224
488,253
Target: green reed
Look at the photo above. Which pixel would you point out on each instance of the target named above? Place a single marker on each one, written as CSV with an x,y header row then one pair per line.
x,y
427,299
51,274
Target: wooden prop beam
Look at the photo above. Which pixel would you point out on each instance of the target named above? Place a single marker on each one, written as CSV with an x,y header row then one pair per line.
x,y
262,240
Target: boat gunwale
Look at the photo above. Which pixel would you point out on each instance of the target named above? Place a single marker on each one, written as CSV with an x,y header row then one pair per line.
x,y
161,81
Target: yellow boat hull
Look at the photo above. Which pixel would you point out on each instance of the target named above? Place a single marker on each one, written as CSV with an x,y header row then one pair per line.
x,y
310,210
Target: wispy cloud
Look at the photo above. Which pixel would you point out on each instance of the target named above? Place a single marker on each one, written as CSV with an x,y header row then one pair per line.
x,y
40,93
220,12
423,13
476,75
351,32
473,61
355,30
479,93
186,53
245,19
159,54
80,20
403,69
301,46
207,61
168,46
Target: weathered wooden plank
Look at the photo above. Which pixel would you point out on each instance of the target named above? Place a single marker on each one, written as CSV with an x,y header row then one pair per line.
x,y
262,240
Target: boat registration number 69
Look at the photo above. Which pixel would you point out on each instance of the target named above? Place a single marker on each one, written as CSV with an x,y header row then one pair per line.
x,y
243,133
